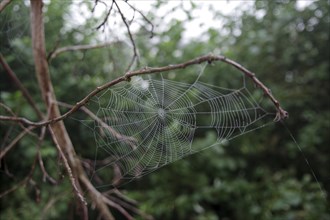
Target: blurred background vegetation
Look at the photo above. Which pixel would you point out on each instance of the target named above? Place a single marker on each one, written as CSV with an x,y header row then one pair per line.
x,y
260,175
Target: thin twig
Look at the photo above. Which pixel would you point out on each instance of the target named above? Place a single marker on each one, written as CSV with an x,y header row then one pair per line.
x,y
6,136
95,4
144,17
129,140
135,54
15,116
41,163
15,187
57,43
97,198
78,47
25,92
14,142
58,130
6,149
44,171
36,189
4,4
127,203
50,203
281,113
68,168
118,207
106,17
24,181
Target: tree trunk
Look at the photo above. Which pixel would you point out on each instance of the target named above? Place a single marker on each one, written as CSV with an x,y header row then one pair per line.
x,y
59,131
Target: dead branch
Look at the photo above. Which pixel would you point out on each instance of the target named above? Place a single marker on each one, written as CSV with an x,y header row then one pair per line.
x,y
144,17
6,137
4,4
118,207
107,15
129,140
281,113
14,142
41,163
68,168
50,204
45,174
22,182
15,116
96,197
58,130
18,185
25,92
127,203
78,47
6,149
135,53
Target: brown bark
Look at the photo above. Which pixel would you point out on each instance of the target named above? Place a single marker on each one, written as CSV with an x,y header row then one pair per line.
x,y
42,72
4,4
58,130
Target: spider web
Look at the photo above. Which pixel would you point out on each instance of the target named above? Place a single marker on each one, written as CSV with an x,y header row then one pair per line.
x,y
149,123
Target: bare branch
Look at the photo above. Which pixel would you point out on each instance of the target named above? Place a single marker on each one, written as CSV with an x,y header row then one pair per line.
x,y
67,166
41,163
106,17
78,47
15,187
21,120
281,113
129,140
5,150
25,92
144,17
97,198
95,4
128,203
24,181
44,172
135,54
58,131
15,141
118,207
50,204
4,4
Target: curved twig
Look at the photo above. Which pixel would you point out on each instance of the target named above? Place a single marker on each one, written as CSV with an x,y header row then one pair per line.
x,y
144,17
46,176
29,176
78,47
118,207
68,168
26,130
106,17
129,140
25,92
135,53
281,113
6,149
4,4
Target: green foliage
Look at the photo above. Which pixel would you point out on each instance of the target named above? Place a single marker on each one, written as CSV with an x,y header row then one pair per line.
x,y
262,175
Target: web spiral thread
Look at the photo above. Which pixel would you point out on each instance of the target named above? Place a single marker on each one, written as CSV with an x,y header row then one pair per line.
x,y
150,123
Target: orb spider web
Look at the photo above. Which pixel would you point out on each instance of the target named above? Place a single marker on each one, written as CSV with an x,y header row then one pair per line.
x,y
150,123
